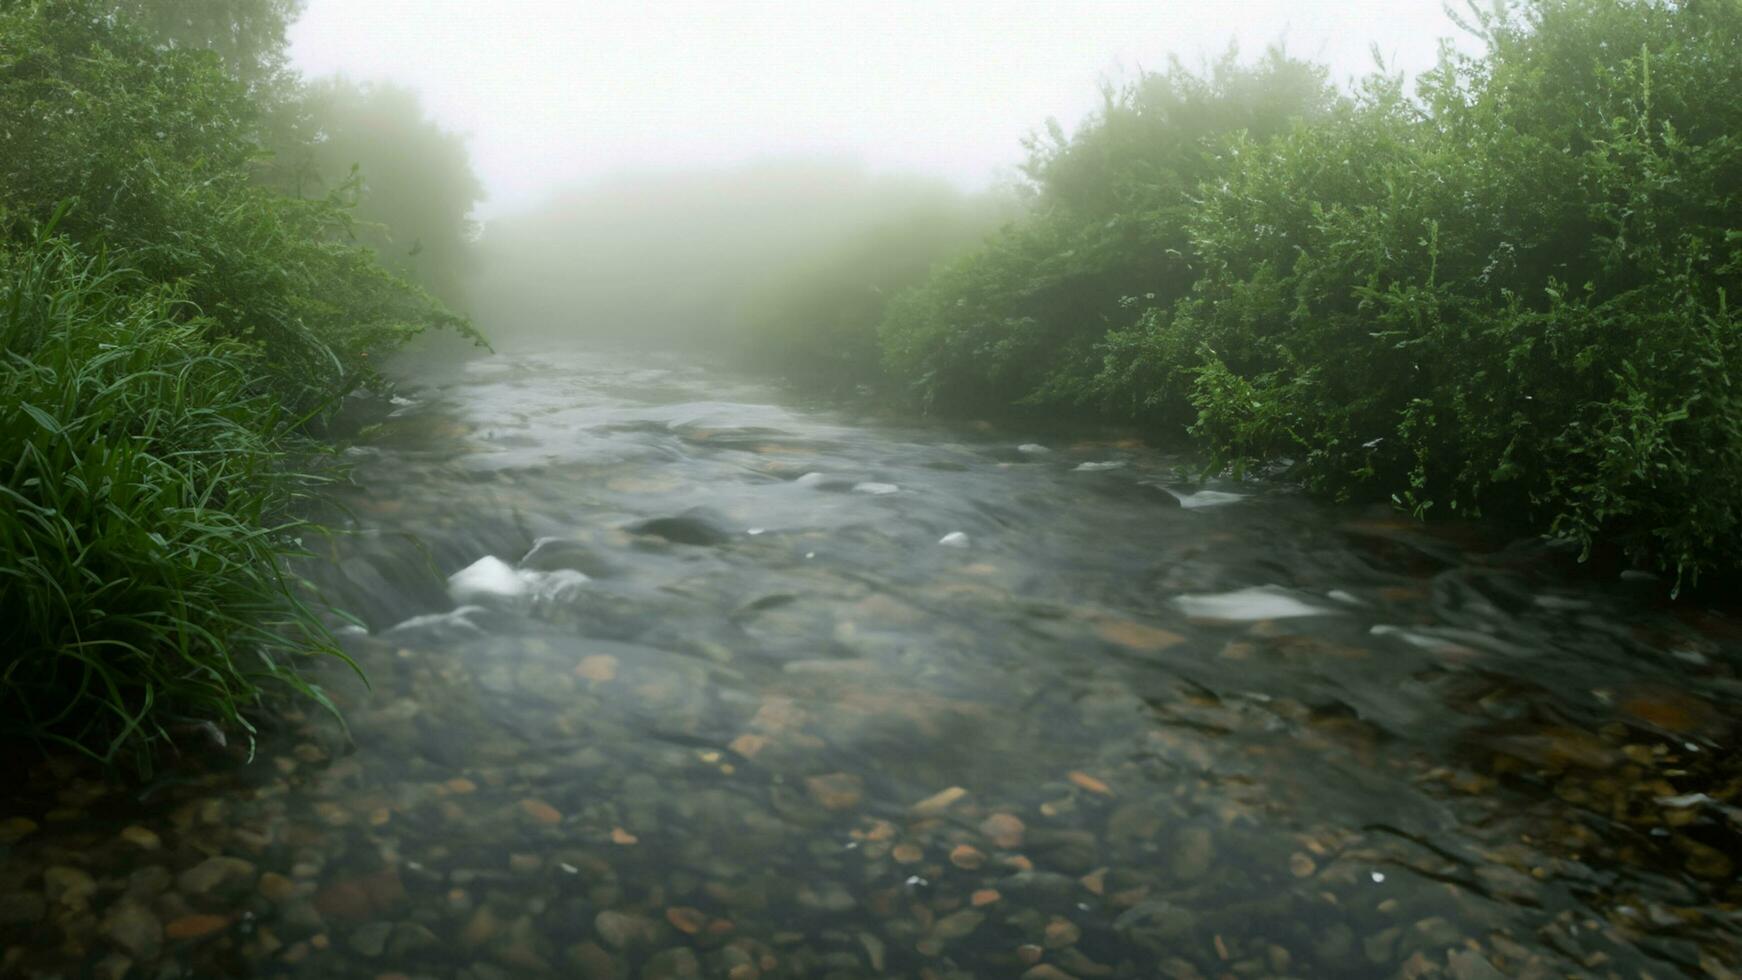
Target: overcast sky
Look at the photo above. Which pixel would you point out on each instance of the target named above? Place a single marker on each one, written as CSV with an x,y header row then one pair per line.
x,y
553,93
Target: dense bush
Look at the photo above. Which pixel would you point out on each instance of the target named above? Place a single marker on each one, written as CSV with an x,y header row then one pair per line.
x,y
1021,319
1505,294
160,354
145,519
816,320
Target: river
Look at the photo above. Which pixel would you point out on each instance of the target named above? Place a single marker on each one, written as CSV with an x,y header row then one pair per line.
x,y
673,674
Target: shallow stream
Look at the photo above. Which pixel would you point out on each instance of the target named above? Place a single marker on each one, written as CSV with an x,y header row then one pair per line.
x,y
673,675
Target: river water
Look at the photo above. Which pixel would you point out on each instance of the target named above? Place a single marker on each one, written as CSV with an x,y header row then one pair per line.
x,y
672,674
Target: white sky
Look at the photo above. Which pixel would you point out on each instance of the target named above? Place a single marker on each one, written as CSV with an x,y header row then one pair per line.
x,y
553,93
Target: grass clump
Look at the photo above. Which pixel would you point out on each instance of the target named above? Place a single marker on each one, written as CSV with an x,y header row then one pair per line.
x,y
172,329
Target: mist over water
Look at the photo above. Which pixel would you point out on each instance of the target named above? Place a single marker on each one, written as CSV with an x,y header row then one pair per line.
x,y
871,490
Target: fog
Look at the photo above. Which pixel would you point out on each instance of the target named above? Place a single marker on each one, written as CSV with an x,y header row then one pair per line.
x,y
554,93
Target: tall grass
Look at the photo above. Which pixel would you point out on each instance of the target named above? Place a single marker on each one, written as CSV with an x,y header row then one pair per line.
x,y
144,492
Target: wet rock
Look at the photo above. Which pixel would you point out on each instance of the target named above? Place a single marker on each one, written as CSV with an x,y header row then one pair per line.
x,y
412,939
957,924
1039,887
696,528
68,887
371,940
1004,830
149,881
967,857
1467,964
1378,947
1061,932
557,554
142,838
196,926
217,876
15,829
22,908
540,812
1046,971
620,930
276,888
590,961
939,802
672,964
1194,852
836,791
1090,783
133,929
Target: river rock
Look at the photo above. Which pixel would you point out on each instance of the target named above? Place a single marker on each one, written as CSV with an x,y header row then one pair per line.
x,y
217,876
68,887
371,940
133,929
621,930
1194,852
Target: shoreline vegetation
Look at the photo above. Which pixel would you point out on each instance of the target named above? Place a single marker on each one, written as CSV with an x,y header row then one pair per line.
x,y
190,283
1502,291
1506,292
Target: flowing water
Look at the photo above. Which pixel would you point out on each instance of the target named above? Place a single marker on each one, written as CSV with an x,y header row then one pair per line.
x,y
672,675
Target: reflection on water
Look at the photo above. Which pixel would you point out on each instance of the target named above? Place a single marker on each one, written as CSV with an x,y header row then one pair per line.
x,y
672,680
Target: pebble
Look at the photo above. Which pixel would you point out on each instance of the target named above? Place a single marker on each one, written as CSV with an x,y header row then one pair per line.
x,y
1047,971
132,927
22,908
1061,932
15,829
938,802
957,924
620,930
195,926
276,888
984,897
967,857
836,791
141,838
1004,830
686,920
1085,781
371,940
541,812
1194,851
214,874
1030,954
68,887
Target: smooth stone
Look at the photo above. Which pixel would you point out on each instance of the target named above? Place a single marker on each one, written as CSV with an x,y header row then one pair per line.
x,y
133,928
957,924
22,908
591,962
411,939
214,873
68,887
620,930
1194,852
672,964
371,940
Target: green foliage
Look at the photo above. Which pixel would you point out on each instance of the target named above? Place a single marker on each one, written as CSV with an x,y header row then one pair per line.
x,y
1020,321
144,527
158,147
158,362
1505,294
817,320
411,181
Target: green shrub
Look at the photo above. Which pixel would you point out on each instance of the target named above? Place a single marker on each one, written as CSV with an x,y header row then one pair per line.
x,y
145,527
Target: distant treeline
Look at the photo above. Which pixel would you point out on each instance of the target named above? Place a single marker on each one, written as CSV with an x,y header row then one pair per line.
x,y
192,275
1506,290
